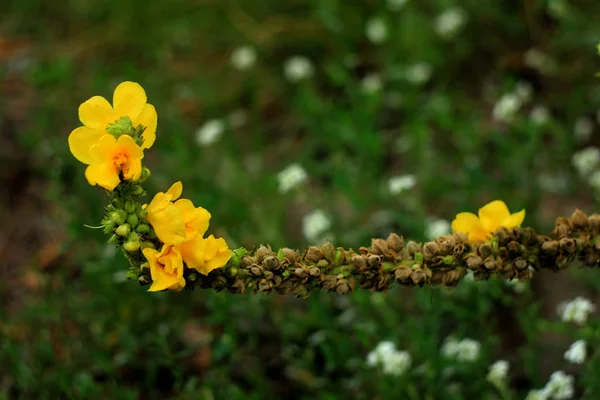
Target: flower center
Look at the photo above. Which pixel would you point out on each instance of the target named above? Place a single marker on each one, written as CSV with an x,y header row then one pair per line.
x,y
120,161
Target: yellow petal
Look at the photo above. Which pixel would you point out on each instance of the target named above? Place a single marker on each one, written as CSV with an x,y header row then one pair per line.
x,y
134,169
469,223
105,149
219,261
103,174
192,252
515,220
129,147
493,214
129,99
149,119
168,224
81,141
166,268
175,190
216,254
196,218
97,113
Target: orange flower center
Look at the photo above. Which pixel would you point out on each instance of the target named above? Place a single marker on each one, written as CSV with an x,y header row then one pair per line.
x,y
120,161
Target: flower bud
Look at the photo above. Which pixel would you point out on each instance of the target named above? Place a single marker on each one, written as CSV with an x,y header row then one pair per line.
x,y
116,202
569,245
130,206
374,260
413,247
145,175
131,246
299,272
418,276
114,239
358,261
314,272
256,270
118,216
109,227
342,286
314,254
579,219
142,228
474,262
271,262
132,220
489,263
484,250
550,247
138,191
146,244
520,264
395,242
430,249
403,273
192,276
328,251
379,247
123,230
145,268
142,214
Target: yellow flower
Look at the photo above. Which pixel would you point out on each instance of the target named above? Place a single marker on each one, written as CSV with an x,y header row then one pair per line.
x,y
204,255
196,219
491,217
129,100
166,268
110,157
166,218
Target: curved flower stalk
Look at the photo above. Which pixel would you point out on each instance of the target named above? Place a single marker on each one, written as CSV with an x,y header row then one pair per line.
x,y
165,244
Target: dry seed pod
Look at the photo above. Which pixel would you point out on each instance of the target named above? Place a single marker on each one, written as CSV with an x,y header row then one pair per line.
x,y
395,242
379,247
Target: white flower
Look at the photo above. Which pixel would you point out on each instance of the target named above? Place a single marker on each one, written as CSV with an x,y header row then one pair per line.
x,y
208,133
463,351
399,184
396,5
371,83
506,108
418,73
243,58
498,373
577,352
583,128
560,386
448,23
577,310
539,394
392,361
293,175
437,227
524,91
586,161
298,68
516,285
376,30
594,180
315,225
539,115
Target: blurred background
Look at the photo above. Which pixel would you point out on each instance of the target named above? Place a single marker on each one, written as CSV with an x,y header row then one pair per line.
x,y
296,122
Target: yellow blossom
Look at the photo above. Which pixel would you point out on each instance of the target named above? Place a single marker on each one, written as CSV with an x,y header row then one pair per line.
x,y
166,218
204,255
166,268
111,157
129,100
491,217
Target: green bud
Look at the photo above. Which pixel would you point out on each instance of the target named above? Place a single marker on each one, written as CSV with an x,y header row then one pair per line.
x,y
109,208
134,237
118,216
138,191
192,276
132,246
114,239
109,227
132,276
122,126
132,220
123,230
142,214
146,244
145,268
130,206
143,228
145,175
116,202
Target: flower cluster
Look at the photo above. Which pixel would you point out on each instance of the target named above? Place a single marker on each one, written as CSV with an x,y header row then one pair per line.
x,y
465,350
490,217
392,361
164,237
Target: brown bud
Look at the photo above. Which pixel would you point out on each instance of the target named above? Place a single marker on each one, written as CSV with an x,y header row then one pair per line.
x,y
590,258
579,219
395,242
314,254
484,250
246,262
502,234
567,244
383,282
520,264
290,255
447,245
489,263
403,273
237,287
451,278
329,282
219,283
525,275
481,275
261,253
379,247
265,285
437,276
314,272
513,247
418,276
460,237
474,262
430,249
550,247
299,272
594,221
271,262
256,270
268,274
358,261
343,287
328,251
413,247
373,260
561,229
277,279
322,263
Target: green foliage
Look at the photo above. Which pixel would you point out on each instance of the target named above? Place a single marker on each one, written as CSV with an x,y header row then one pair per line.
x,y
87,333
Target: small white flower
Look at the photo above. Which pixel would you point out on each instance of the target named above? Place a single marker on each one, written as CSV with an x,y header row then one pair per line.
x,y
516,285
577,310
586,161
292,176
539,115
210,132
243,58
583,128
450,347
464,351
539,394
381,351
418,73
437,227
371,83
577,352
298,68
448,23
560,386
376,30
392,361
399,184
238,118
506,108
396,5
498,373
524,91
315,225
